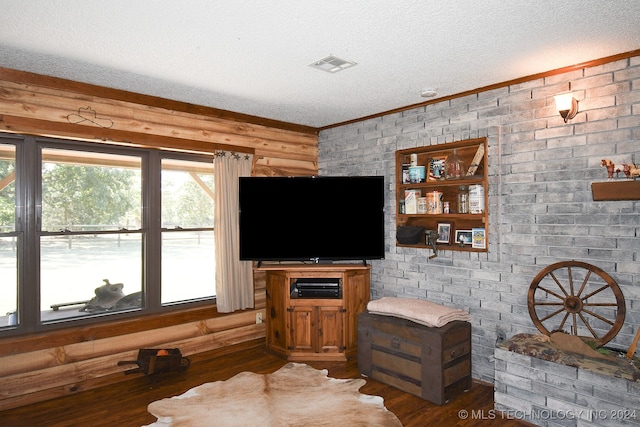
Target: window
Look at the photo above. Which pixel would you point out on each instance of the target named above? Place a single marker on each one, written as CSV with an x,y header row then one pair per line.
x,y
91,243
91,231
8,236
188,256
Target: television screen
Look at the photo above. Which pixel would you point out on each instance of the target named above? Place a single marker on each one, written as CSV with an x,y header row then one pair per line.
x,y
318,219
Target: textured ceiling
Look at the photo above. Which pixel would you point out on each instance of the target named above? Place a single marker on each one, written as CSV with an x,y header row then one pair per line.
x,y
253,56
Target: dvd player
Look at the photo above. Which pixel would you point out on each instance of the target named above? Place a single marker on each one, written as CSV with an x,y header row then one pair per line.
x,y
317,288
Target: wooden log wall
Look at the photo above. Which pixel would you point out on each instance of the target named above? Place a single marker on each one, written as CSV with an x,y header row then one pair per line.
x,y
44,366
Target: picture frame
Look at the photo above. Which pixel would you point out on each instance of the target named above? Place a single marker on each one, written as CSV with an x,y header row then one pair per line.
x,y
444,232
436,168
464,237
478,238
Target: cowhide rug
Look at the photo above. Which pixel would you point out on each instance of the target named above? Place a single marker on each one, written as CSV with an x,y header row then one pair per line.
x,y
295,395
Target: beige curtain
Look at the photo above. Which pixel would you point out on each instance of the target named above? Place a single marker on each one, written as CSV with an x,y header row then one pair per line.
x,y
234,278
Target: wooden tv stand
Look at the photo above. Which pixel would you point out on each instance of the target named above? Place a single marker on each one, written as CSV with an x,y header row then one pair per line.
x,y
304,328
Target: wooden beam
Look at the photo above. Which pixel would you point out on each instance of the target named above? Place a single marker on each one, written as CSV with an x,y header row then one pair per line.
x,y
202,185
154,101
85,133
12,345
7,180
60,112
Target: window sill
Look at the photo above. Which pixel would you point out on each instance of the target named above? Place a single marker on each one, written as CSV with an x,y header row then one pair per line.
x,y
105,329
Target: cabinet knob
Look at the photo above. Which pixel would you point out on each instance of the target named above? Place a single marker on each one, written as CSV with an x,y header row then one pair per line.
x,y
395,343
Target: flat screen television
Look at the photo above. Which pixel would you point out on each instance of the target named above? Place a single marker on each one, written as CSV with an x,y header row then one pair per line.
x,y
315,219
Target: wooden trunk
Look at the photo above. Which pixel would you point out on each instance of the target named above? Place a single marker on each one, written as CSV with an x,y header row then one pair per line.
x,y
431,363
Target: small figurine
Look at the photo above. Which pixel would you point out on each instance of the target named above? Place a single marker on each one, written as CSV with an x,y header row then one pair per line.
x,y
631,171
611,168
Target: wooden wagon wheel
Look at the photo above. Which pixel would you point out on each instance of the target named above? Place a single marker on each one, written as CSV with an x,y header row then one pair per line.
x,y
554,293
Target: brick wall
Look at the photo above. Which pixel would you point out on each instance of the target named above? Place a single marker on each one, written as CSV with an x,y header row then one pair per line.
x,y
540,204
550,394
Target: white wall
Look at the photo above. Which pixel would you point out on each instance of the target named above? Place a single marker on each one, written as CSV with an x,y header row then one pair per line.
x,y
540,203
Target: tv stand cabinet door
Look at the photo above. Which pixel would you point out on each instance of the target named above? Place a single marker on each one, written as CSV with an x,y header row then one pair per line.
x,y
303,335
316,331
330,330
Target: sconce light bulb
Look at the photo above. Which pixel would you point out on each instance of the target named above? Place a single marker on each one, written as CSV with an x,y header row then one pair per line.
x,y
567,106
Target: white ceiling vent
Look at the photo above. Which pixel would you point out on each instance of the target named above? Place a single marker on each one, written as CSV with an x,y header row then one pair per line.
x,y
332,64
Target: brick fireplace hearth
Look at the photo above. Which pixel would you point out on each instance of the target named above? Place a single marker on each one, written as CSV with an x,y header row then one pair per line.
x,y
548,393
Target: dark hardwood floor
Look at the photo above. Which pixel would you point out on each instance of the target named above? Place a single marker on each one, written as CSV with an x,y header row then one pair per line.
x,y
125,403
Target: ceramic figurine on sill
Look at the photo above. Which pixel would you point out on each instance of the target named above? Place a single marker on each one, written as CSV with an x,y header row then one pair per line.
x,y
611,168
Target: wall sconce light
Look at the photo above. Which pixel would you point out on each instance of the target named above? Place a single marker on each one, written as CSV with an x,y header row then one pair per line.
x,y
567,106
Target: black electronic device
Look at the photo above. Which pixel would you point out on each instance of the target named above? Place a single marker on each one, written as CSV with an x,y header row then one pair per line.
x,y
316,288
313,219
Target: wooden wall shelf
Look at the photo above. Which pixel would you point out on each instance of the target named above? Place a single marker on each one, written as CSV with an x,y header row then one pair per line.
x,y
472,152
616,190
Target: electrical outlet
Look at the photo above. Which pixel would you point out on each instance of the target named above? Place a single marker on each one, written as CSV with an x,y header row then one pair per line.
x,y
259,317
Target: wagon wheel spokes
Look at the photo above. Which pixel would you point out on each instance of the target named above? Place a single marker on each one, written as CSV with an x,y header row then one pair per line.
x,y
584,283
595,335
570,276
595,292
574,303
597,316
600,304
564,320
552,293
552,314
555,279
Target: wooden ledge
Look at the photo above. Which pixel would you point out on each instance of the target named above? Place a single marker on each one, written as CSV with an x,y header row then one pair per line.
x,y
616,190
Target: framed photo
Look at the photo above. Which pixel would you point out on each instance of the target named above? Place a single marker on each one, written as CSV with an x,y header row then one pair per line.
x,y
463,237
444,232
478,238
436,168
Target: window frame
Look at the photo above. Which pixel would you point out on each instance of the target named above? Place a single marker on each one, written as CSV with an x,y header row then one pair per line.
x,y
29,220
